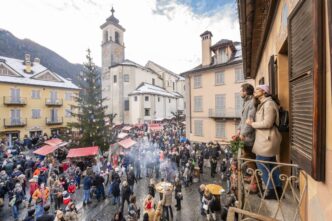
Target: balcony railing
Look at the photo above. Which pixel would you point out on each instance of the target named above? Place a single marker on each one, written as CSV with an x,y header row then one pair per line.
x,y
54,102
14,100
290,197
224,113
54,121
14,122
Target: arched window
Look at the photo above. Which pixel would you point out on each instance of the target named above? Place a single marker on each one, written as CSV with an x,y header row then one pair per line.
x,y
117,37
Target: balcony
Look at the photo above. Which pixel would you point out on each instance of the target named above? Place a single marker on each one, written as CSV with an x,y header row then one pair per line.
x,y
54,121
227,113
288,204
18,101
14,122
54,102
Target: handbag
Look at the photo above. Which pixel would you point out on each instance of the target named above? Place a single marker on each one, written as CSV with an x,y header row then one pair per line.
x,y
12,201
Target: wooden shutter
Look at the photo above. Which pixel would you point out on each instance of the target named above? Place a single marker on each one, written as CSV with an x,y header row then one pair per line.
x,y
305,76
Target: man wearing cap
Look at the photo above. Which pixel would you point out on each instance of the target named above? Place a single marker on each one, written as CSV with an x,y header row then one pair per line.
x,y
267,139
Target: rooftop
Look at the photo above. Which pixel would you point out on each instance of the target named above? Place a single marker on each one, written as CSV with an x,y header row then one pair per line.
x,y
39,75
146,88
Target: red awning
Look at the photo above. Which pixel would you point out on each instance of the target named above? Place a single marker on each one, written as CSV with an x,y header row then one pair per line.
x,y
155,127
44,150
54,142
83,152
127,143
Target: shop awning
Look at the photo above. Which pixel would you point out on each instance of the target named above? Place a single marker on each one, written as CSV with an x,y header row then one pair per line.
x,y
127,128
155,127
127,143
83,152
122,135
54,142
46,149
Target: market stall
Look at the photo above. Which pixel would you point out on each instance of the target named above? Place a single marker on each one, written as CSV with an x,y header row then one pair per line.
x,y
83,152
155,127
45,150
127,143
122,135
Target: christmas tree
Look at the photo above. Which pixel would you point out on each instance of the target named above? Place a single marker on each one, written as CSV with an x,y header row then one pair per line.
x,y
93,124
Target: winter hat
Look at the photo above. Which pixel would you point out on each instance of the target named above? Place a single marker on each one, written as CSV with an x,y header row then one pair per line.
x,y
264,88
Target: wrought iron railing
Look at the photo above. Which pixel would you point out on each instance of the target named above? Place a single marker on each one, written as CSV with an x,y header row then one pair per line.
x,y
289,197
54,121
53,102
224,113
14,122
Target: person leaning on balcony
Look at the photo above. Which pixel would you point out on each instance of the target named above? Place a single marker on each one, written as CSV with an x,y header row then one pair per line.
x,y
267,139
246,132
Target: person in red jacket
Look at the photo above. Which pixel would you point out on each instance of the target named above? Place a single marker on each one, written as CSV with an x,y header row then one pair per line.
x,y
33,183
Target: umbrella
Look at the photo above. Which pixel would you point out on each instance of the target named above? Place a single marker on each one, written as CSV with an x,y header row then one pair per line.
x,y
214,189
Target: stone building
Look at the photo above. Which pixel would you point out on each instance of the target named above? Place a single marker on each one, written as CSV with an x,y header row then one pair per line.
x,y
212,91
134,92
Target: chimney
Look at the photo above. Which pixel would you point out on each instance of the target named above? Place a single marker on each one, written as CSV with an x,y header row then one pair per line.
x,y
206,51
27,63
36,60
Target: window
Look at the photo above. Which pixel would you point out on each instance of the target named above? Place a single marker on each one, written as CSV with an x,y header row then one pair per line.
x,y
117,37
169,100
158,99
126,78
220,78
273,81
238,104
198,130
261,81
15,95
220,104
105,36
146,98
126,105
68,96
35,113
135,98
220,129
35,94
198,103
53,96
197,81
146,111
173,86
153,81
115,79
15,116
68,113
223,55
239,77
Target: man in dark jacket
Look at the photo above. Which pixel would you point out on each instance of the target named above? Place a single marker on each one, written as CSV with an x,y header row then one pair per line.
x,y
116,191
125,194
87,183
99,183
46,216
131,179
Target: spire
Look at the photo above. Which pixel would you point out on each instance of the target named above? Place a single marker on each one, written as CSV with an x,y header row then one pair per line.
x,y
112,10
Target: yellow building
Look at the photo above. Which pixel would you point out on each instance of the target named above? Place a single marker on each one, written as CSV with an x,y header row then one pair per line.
x,y
34,100
213,102
287,44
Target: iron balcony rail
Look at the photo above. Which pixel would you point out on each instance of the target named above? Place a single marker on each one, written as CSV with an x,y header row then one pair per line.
x,y
224,113
7,100
287,207
14,122
54,121
53,102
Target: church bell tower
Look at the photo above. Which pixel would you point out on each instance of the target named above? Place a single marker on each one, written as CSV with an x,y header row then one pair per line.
x,y
112,46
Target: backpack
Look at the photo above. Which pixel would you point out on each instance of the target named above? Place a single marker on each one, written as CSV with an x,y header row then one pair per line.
x,y
283,125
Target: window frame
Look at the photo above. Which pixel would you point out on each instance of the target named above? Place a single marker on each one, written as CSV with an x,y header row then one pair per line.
x,y
198,131
196,84
198,108
223,78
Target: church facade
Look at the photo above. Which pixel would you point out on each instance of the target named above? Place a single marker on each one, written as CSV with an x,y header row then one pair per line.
x,y
136,93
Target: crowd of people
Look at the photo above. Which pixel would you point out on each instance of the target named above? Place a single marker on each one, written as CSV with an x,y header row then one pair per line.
x,y
48,186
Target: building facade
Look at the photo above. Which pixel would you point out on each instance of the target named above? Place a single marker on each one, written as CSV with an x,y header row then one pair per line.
x,y
35,100
288,46
136,93
212,93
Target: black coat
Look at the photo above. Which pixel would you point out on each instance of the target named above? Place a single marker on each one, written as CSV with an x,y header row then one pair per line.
x,y
126,193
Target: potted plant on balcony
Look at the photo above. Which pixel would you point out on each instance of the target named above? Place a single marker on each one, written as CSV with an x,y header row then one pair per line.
x,y
236,144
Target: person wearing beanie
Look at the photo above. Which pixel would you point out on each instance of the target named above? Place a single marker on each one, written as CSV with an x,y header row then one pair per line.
x,y
267,139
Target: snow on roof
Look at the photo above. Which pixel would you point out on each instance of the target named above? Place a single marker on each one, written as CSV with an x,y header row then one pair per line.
x,y
146,88
18,67
166,70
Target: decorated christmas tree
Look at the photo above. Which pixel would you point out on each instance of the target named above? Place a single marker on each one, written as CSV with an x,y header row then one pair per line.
x,y
93,124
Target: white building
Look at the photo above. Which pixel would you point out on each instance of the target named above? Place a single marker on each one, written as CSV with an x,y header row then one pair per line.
x,y
134,92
